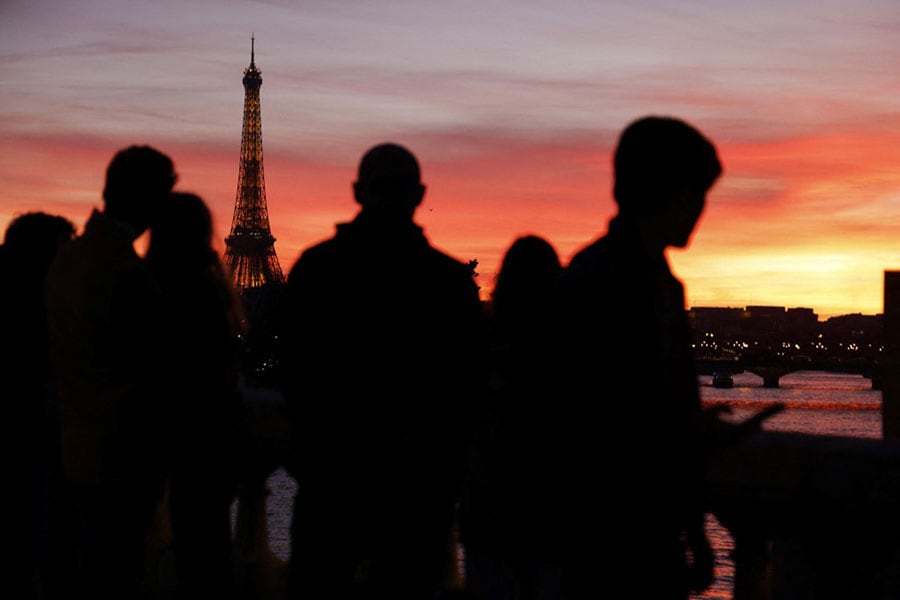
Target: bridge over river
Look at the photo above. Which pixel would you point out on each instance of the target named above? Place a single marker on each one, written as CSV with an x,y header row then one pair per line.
x,y
772,369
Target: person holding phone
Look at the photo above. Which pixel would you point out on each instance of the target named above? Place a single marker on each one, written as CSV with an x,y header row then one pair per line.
x,y
631,481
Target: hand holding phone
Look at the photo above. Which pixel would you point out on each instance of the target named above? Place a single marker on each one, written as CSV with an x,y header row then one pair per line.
x,y
757,419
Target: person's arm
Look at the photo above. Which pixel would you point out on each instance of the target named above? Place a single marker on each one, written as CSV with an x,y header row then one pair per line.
x,y
718,433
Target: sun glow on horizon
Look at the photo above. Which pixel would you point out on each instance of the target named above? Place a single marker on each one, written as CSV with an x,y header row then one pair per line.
x,y
514,126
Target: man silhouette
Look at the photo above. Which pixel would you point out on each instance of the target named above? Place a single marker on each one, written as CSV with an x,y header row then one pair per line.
x,y
103,317
382,367
631,479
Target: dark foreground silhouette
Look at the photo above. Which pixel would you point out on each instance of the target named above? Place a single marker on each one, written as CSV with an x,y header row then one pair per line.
x,y
29,431
204,322
633,440
383,368
108,359
506,550
395,435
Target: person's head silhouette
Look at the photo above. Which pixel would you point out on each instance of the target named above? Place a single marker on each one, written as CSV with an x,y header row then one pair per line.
x,y
663,170
35,237
137,180
31,242
183,230
388,183
528,269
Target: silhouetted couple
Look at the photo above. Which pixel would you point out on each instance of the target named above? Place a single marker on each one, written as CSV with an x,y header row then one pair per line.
x,y
144,362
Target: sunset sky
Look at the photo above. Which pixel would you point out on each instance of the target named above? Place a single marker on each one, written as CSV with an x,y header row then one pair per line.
x,y
512,107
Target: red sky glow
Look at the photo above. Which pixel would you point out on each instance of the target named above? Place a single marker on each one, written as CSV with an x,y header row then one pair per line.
x,y
513,109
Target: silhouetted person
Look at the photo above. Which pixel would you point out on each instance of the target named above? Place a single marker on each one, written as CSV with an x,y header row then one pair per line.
x,y
632,434
508,554
382,363
29,435
108,357
208,435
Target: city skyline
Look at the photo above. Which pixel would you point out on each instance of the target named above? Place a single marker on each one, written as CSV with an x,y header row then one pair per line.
x,y
513,110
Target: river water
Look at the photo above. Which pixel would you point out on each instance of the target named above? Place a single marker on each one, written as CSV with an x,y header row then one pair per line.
x,y
818,402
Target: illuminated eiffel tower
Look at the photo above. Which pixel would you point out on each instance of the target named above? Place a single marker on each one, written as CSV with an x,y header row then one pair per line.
x,y
250,248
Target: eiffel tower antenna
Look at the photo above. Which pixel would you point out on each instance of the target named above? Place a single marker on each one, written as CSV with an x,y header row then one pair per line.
x,y
250,247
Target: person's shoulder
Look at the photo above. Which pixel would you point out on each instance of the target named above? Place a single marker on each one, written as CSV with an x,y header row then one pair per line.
x,y
591,262
445,258
317,262
318,251
447,263
321,249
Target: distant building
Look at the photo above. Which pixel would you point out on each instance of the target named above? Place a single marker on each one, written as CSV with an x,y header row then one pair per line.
x,y
717,331
853,335
794,333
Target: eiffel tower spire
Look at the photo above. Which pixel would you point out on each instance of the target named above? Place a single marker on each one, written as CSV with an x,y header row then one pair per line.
x,y
250,247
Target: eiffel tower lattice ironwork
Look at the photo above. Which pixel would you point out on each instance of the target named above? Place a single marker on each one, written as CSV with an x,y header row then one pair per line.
x,y
250,247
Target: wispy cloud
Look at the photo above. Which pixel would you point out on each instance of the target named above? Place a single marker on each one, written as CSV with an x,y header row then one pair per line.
x,y
513,107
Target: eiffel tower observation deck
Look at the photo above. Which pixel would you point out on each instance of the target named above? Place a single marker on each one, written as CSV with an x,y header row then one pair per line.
x,y
250,247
